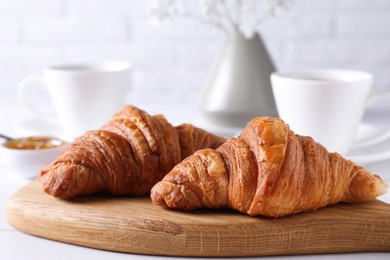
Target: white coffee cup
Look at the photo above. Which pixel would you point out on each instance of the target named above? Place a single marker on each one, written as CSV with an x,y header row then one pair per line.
x,y
327,105
84,95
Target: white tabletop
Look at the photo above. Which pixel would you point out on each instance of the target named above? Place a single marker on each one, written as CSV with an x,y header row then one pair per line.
x,y
17,245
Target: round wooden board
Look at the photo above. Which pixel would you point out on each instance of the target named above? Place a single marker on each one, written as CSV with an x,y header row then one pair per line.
x,y
135,225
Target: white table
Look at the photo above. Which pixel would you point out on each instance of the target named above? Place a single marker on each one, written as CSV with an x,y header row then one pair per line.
x,y
17,245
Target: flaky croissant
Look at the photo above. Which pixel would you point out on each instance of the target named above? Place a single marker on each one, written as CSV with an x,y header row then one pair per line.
x,y
127,156
268,170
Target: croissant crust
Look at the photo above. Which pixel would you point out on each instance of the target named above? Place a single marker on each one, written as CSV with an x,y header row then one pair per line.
x,y
268,170
126,156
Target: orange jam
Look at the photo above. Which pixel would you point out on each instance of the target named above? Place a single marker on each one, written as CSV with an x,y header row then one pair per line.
x,y
33,143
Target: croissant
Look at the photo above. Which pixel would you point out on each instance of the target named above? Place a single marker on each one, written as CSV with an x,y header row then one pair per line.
x,y
268,170
127,156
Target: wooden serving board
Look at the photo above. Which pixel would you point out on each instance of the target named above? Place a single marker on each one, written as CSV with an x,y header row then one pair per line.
x,y
135,225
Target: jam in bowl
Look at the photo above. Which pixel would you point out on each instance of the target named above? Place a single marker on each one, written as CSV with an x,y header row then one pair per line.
x,y
33,143
26,156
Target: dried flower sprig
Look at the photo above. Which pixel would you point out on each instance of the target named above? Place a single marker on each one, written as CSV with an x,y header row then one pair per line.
x,y
229,16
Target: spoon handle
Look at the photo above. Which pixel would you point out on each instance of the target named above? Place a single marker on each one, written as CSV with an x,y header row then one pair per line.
x,y
5,137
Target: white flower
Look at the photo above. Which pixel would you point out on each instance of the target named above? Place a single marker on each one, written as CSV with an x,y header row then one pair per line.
x,y
245,5
206,7
227,15
281,7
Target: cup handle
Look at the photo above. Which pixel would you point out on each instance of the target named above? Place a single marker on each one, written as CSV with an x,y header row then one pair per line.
x,y
370,158
23,95
373,98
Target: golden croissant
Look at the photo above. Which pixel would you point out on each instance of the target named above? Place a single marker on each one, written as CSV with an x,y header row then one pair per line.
x,y
268,170
127,156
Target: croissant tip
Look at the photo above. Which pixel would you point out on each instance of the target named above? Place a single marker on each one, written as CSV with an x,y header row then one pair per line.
x,y
382,186
51,187
156,197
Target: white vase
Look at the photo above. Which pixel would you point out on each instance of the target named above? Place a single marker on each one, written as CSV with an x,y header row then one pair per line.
x,y
238,87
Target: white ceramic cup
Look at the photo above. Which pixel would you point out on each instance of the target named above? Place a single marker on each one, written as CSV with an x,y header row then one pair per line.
x,y
327,105
84,95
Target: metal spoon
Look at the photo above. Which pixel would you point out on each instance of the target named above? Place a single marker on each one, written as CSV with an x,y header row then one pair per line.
x,y
6,137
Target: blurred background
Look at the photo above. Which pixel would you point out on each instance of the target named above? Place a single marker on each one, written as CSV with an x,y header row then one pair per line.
x,y
171,61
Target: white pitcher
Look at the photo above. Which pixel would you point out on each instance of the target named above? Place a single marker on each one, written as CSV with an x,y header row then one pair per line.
x,y
238,87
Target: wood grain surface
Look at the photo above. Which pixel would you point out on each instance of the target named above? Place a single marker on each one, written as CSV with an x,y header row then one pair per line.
x,y
135,225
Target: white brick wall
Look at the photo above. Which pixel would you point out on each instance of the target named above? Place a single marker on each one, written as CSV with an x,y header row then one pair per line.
x,y
172,62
